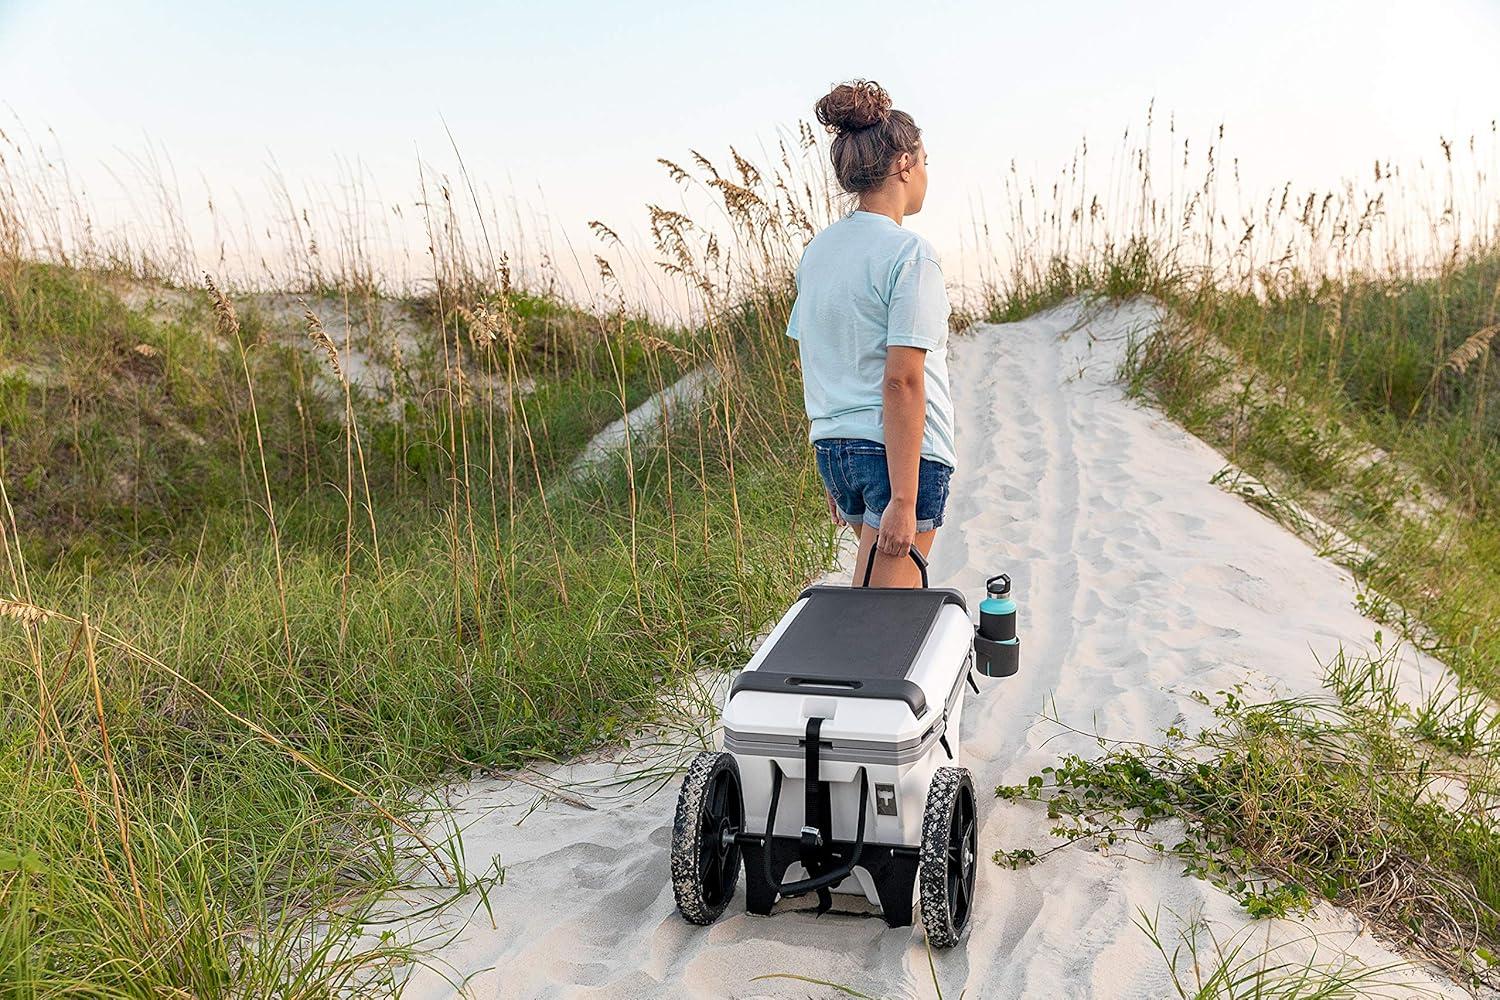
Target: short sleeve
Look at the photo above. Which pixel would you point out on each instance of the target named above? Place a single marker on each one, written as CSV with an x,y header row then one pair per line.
x,y
918,311
791,323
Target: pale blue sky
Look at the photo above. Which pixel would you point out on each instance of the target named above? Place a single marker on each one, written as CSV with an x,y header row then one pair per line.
x,y
575,100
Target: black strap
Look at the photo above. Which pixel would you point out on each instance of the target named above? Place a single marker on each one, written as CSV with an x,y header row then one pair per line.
x,y
916,557
771,822
813,850
800,886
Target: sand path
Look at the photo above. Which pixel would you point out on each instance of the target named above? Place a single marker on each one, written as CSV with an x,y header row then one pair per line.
x,y
1139,583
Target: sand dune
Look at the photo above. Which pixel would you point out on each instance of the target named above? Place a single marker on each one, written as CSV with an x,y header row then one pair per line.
x,y
645,420
1139,583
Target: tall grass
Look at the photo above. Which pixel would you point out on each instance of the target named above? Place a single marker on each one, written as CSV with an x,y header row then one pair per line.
x,y
275,565
1205,965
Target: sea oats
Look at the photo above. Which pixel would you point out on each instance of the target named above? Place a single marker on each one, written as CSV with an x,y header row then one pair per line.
x,y
320,337
1470,350
24,612
703,162
605,233
224,315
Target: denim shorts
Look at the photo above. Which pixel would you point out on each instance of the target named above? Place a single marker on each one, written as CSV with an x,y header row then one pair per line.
x,y
855,473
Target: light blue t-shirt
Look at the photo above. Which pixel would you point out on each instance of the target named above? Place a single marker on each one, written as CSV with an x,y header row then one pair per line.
x,y
866,284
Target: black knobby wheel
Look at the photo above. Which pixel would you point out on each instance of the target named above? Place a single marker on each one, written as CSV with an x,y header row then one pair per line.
x,y
950,847
705,856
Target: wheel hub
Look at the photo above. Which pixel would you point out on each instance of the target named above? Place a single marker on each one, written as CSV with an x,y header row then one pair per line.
x,y
726,836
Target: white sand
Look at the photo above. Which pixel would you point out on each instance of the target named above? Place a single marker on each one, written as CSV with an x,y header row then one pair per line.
x,y
1139,583
644,422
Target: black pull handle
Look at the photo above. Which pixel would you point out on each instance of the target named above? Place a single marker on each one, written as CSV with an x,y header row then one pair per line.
x,y
916,557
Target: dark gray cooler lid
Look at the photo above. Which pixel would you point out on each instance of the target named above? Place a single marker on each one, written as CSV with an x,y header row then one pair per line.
x,y
855,642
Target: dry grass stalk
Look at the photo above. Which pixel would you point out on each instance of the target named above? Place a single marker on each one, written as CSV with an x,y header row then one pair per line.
x,y
116,787
605,233
320,339
229,326
1471,350
490,321
319,336
24,612
225,317
351,437
49,711
681,355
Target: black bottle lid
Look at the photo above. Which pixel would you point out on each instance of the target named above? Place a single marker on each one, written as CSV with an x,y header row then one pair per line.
x,y
998,586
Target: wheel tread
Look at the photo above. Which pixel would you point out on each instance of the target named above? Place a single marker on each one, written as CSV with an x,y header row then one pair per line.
x,y
687,885
932,877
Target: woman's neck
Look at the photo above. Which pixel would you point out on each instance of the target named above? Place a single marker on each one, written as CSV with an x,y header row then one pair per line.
x,y
882,202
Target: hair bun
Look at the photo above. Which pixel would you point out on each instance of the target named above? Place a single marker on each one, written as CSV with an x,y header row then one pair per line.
x,y
854,105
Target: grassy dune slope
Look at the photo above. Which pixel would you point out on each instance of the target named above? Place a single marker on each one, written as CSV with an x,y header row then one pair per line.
x,y
269,576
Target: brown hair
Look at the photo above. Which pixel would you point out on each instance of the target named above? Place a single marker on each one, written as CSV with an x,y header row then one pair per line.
x,y
868,135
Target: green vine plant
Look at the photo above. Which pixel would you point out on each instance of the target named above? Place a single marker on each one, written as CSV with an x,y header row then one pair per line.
x,y
1383,808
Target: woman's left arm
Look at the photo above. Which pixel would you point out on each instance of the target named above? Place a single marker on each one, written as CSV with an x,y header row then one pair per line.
x,y
905,418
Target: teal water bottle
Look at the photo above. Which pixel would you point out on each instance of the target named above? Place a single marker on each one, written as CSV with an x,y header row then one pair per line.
x,y
997,650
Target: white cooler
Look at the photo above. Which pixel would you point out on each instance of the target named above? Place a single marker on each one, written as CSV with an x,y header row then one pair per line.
x,y
842,735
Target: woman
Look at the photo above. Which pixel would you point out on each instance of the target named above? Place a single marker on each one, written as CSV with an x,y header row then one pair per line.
x,y
871,322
